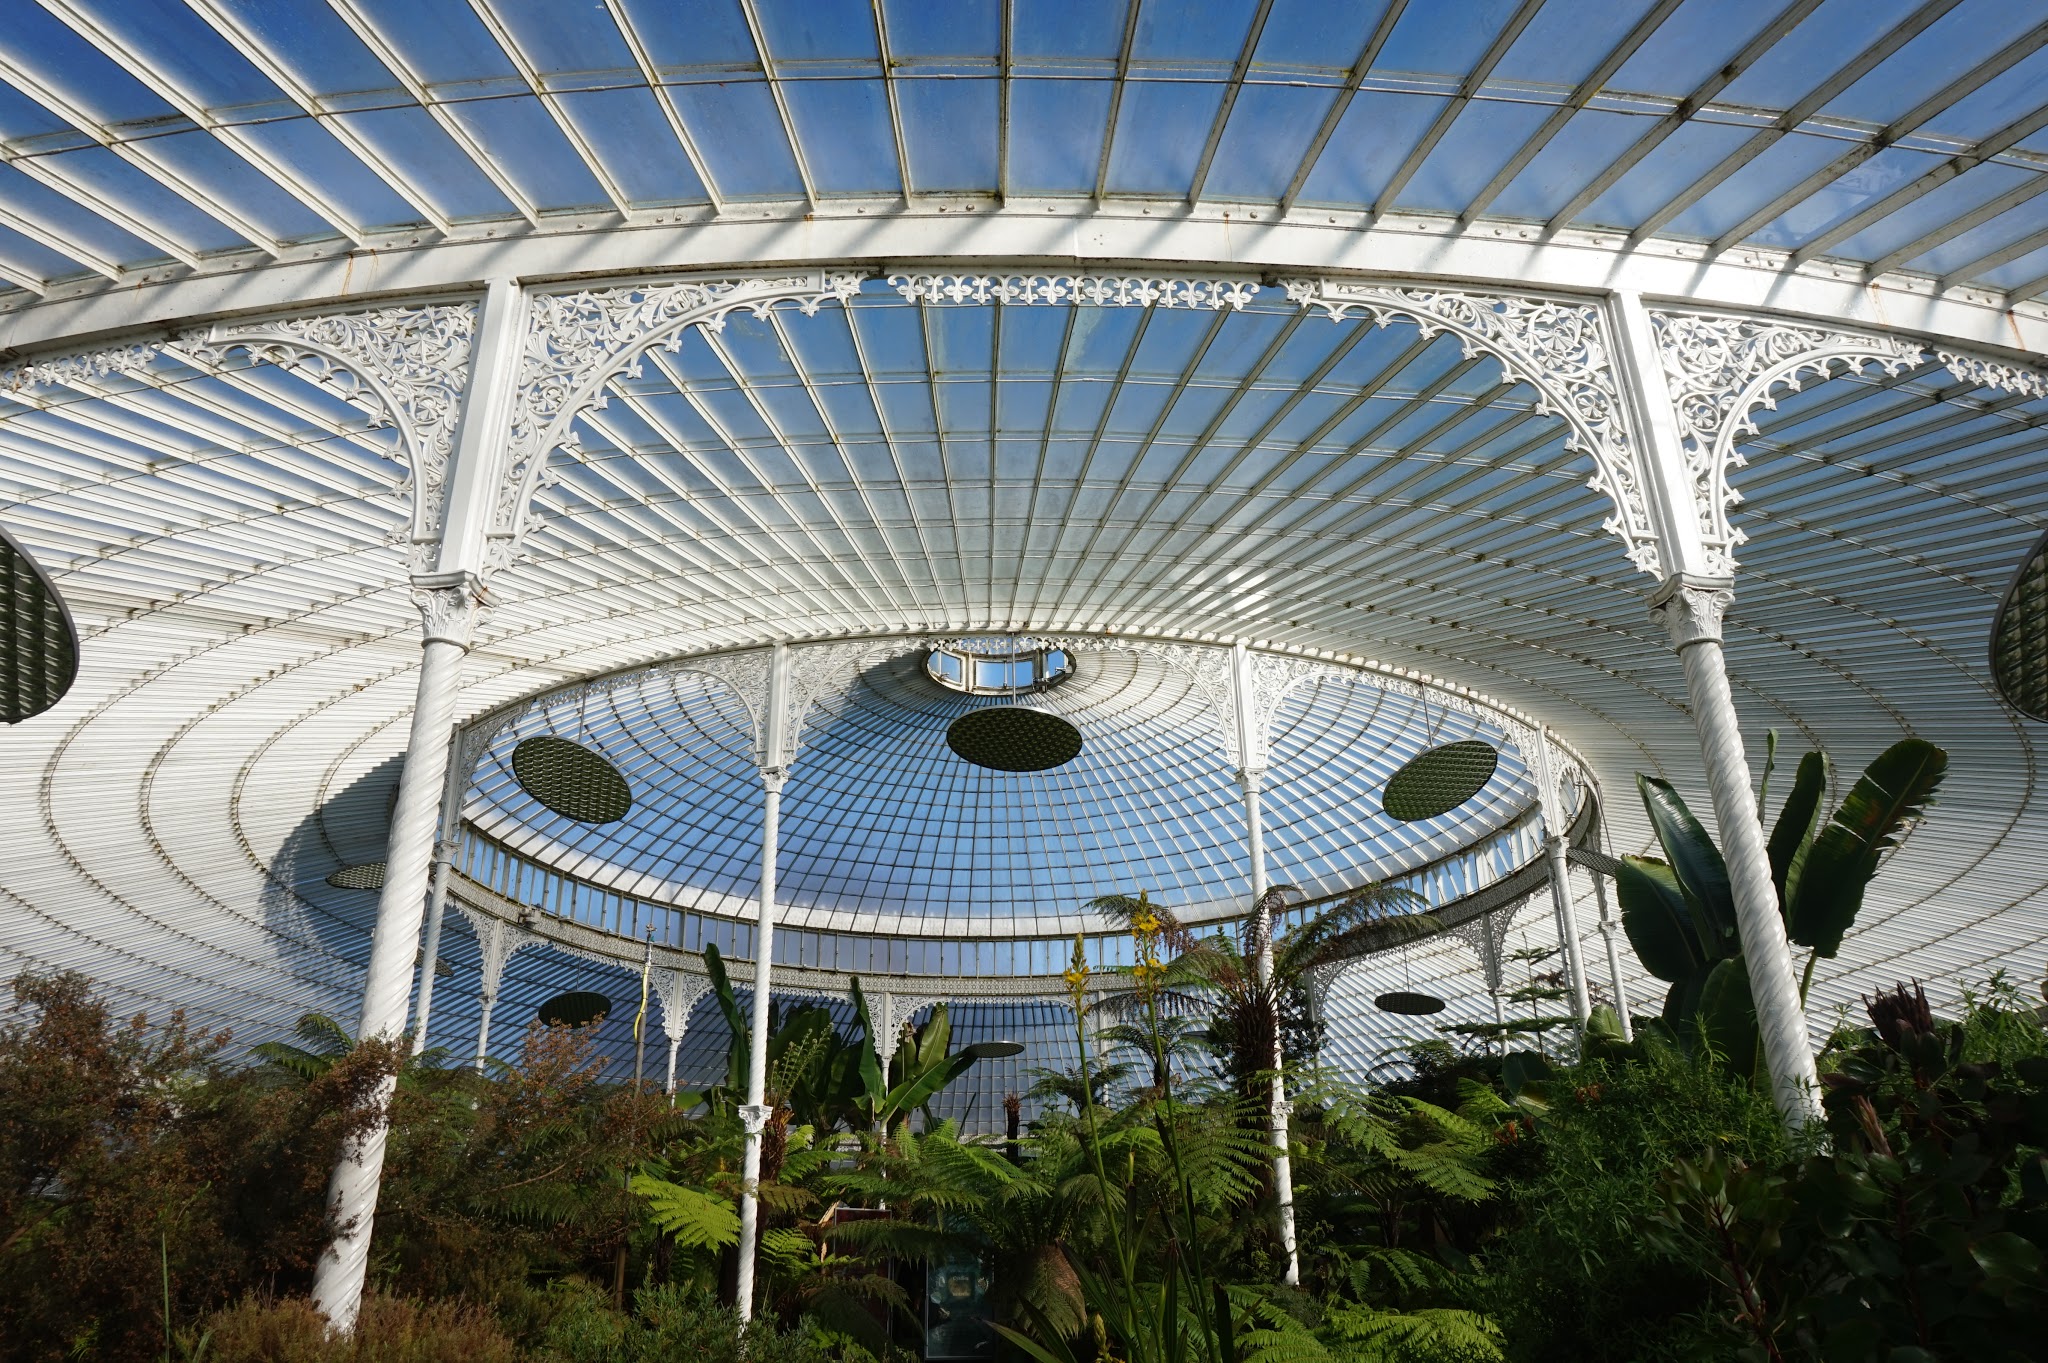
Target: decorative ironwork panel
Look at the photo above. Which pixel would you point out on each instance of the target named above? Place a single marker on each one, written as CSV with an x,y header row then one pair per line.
x,y
1720,369
1561,350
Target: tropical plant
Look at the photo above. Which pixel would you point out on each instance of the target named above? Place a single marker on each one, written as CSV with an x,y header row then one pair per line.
x,y
1679,911
1920,1231
1217,976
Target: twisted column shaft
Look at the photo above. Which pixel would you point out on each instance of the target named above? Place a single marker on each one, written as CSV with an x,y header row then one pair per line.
x,y
1691,609
448,609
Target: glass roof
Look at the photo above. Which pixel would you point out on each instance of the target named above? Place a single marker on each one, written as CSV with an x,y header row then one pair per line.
x,y
144,136
248,646
884,830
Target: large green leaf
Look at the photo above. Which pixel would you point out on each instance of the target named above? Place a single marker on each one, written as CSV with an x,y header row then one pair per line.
x,y
1702,875
1893,791
873,1086
739,1055
696,1220
920,1089
1657,919
1681,1004
1792,835
1728,1014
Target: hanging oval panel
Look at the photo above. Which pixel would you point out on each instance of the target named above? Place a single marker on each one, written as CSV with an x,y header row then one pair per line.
x,y
364,875
1408,1003
1438,781
578,1008
571,780
38,641
2019,637
1013,738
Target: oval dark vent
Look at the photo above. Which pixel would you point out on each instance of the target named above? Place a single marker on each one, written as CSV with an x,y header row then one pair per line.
x,y
1014,738
38,642
1438,781
1412,1004
2019,637
578,1008
364,875
571,780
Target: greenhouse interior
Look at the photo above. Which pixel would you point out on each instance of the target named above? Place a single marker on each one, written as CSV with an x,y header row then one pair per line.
x,y
1062,681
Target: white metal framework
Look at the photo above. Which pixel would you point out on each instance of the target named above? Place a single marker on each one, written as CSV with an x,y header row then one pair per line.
x,y
1447,337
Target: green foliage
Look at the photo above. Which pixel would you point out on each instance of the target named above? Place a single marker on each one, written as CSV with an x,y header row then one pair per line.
x,y
693,1219
1919,1231
1566,1274
1680,915
1822,900
144,1182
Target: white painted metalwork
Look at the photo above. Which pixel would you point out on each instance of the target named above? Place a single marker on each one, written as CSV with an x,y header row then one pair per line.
x,y
715,435
1551,802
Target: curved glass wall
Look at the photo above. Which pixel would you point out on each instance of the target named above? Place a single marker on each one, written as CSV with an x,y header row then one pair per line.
x,y
887,836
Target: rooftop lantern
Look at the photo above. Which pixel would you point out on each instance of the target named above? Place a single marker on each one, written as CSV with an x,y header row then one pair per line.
x,y
1014,737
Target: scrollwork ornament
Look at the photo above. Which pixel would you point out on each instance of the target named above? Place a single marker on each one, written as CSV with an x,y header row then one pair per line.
x,y
577,342
1984,373
815,672
81,367
1560,349
1112,291
406,366
1722,368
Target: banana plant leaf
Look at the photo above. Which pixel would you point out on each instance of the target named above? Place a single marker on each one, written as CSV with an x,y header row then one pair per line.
x,y
1702,875
721,989
1727,1013
1682,1002
1658,920
1894,791
1792,835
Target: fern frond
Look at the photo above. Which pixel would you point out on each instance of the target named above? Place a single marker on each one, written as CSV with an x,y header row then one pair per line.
x,y
693,1219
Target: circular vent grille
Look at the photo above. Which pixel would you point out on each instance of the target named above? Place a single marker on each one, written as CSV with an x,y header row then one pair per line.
x,y
571,780
1438,781
579,1008
2019,637
1014,738
367,875
1414,1005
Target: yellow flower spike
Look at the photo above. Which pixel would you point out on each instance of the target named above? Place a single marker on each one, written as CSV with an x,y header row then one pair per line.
x,y
1076,973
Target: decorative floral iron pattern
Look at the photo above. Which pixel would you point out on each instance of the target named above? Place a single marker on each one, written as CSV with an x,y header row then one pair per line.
x,y
576,342
1561,350
1273,679
406,365
1720,369
1985,373
678,993
1113,291
84,365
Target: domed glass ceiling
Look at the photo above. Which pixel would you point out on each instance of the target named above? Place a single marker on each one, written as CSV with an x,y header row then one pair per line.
x,y
885,830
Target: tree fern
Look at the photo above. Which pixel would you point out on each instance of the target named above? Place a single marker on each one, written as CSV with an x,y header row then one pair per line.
x,y
694,1220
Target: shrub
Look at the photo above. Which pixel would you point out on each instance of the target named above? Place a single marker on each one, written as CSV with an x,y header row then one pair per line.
x,y
389,1330
1569,1276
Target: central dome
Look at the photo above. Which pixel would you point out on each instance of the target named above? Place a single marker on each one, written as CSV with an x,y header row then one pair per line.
x,y
885,830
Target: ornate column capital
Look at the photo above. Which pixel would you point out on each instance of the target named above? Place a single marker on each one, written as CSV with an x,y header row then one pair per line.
x,y
754,1117
451,604
1691,608
445,849
1253,779
773,779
